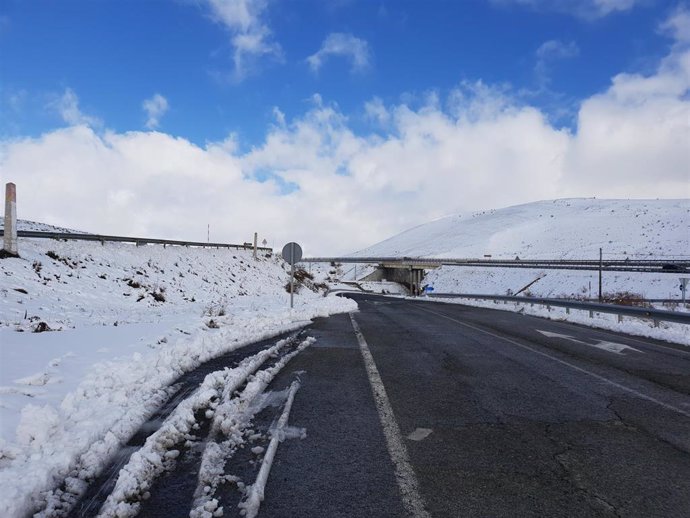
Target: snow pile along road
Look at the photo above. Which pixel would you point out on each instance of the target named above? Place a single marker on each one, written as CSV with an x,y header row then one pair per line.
x,y
131,320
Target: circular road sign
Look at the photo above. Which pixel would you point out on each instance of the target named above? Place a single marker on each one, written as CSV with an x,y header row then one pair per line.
x,y
292,253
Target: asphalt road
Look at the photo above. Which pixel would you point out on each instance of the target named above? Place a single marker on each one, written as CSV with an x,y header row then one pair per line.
x,y
522,424
473,412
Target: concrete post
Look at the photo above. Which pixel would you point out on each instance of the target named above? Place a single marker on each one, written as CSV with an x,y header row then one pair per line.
x,y
10,238
256,236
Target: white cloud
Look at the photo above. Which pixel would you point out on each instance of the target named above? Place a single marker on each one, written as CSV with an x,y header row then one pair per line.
x,y
345,45
250,36
588,9
556,49
376,111
677,26
316,180
67,105
279,116
551,51
155,108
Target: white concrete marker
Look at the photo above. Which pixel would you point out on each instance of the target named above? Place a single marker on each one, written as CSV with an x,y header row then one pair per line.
x,y
10,234
611,347
404,474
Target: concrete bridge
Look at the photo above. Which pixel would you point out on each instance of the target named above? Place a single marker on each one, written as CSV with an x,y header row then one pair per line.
x,y
409,275
410,271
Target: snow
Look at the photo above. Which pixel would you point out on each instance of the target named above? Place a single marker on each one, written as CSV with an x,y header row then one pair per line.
x,y
70,398
154,457
231,420
255,492
559,229
555,229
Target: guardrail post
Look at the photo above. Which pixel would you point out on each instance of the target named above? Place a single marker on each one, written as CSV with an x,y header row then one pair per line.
x,y
10,231
601,260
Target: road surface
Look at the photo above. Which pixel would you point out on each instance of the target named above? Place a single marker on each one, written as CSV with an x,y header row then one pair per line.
x,y
421,408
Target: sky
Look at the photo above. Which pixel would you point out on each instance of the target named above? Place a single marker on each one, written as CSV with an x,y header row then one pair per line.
x,y
338,123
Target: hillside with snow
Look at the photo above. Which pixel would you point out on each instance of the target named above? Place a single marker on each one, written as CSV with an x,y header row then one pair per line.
x,y
558,229
555,229
91,337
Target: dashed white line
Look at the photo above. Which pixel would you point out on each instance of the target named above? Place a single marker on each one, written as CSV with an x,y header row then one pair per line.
x,y
563,362
404,474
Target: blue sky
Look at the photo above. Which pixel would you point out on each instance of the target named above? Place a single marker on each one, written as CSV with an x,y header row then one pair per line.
x,y
115,54
338,123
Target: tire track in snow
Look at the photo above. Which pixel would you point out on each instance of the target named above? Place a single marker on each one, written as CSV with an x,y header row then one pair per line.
x,y
92,478
190,423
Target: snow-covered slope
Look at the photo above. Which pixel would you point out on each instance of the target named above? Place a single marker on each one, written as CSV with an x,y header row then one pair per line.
x,y
559,229
70,284
121,323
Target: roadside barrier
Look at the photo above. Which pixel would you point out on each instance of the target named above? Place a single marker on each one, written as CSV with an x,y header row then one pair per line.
x,y
656,315
73,236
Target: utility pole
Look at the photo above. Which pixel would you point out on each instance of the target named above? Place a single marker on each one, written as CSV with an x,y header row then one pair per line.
x,y
208,233
256,236
601,265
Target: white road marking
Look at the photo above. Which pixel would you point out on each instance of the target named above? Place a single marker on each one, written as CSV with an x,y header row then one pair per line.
x,y
611,347
563,362
419,434
404,474
599,330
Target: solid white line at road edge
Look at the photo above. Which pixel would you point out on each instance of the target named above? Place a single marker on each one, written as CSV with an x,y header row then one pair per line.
x,y
404,474
563,362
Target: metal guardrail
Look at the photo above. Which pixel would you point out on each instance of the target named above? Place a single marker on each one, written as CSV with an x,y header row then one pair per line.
x,y
136,240
622,265
631,311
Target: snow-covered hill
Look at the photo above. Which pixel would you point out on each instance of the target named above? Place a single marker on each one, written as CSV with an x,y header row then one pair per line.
x,y
559,229
91,335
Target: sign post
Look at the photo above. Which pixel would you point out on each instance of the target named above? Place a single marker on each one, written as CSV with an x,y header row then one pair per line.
x,y
292,253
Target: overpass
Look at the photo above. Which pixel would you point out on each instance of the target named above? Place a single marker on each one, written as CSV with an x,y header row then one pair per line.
x,y
620,265
410,271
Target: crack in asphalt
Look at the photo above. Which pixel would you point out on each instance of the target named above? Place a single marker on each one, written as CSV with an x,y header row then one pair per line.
x,y
570,475
642,429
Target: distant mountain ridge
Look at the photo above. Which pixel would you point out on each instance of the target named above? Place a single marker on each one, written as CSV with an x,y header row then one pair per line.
x,y
559,229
